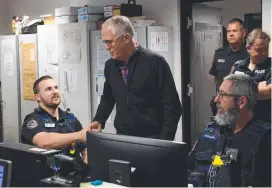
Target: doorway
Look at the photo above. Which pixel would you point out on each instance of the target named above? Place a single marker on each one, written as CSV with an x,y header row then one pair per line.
x,y
197,50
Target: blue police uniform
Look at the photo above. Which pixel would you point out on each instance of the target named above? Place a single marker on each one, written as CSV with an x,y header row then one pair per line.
x,y
253,165
42,121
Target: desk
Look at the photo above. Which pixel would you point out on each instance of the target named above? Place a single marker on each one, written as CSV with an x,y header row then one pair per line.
x,y
103,185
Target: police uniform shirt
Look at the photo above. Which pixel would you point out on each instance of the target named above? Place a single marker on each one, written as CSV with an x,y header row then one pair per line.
x,y
42,121
260,73
223,60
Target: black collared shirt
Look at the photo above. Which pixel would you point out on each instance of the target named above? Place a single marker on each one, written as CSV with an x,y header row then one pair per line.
x,y
223,60
260,73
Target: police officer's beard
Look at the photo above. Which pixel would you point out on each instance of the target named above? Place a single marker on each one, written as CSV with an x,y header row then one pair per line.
x,y
229,117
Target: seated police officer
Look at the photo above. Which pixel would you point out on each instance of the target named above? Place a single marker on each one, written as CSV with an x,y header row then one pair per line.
x,y
258,66
235,149
51,128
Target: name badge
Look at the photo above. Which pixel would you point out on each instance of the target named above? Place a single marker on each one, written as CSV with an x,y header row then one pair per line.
x,y
221,60
51,125
259,71
239,72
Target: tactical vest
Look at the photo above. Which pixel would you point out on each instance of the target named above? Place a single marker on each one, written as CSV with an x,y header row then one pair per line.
x,y
212,142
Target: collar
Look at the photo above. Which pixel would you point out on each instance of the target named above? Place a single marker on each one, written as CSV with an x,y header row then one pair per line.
x,y
245,63
241,49
62,114
132,56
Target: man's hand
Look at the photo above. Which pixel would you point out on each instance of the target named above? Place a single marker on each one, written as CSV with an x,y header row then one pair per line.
x,y
82,135
95,126
262,84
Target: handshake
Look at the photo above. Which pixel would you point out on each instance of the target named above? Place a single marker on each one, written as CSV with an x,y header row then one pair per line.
x,y
94,126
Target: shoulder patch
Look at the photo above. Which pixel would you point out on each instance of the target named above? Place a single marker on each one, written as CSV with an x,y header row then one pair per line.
x,y
31,124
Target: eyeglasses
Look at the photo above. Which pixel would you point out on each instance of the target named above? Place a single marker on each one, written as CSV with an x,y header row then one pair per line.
x,y
221,95
110,43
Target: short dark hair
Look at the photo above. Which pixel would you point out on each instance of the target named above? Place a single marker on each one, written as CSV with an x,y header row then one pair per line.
x,y
237,20
38,81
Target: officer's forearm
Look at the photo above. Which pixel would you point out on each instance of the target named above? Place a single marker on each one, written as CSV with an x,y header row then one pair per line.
x,y
264,92
55,140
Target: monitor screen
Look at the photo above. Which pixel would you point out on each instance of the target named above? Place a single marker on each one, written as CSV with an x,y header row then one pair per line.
x,y
5,173
158,163
1,175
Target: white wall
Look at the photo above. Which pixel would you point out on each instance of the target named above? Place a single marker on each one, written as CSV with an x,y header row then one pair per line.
x,y
266,20
165,12
236,8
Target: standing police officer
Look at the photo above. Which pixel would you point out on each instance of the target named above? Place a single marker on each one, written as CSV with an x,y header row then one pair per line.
x,y
240,144
51,128
225,57
258,66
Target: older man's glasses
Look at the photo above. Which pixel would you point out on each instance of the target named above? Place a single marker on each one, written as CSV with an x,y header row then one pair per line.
x,y
222,95
110,43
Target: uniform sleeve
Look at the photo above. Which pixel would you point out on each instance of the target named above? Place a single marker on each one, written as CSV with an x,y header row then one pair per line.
x,y
213,71
30,128
262,172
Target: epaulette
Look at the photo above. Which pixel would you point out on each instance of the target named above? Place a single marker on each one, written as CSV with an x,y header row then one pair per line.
x,y
238,62
219,49
212,124
37,110
68,111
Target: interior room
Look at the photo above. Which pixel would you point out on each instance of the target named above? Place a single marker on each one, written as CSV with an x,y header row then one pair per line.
x,y
55,38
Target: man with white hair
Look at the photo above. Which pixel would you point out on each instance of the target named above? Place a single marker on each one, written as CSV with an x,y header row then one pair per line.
x,y
235,129
140,83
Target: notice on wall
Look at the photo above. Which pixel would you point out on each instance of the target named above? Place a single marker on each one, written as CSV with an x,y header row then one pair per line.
x,y
159,41
8,54
102,54
51,54
71,80
69,41
29,69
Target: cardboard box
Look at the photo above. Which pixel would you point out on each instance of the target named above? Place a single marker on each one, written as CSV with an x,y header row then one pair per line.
x,y
90,10
110,8
90,18
48,19
143,23
109,14
65,19
66,11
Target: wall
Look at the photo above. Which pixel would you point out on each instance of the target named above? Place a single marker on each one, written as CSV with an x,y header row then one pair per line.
x,y
3,17
165,12
266,20
236,8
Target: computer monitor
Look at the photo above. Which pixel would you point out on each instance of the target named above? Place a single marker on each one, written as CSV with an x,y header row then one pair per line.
x,y
5,173
158,163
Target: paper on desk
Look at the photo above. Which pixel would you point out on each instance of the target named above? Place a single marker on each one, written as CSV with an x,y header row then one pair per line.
x,y
37,149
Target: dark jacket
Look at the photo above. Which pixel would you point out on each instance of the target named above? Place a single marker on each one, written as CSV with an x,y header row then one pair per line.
x,y
149,105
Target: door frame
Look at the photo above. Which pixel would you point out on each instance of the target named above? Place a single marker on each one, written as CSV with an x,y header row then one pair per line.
x,y
185,36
